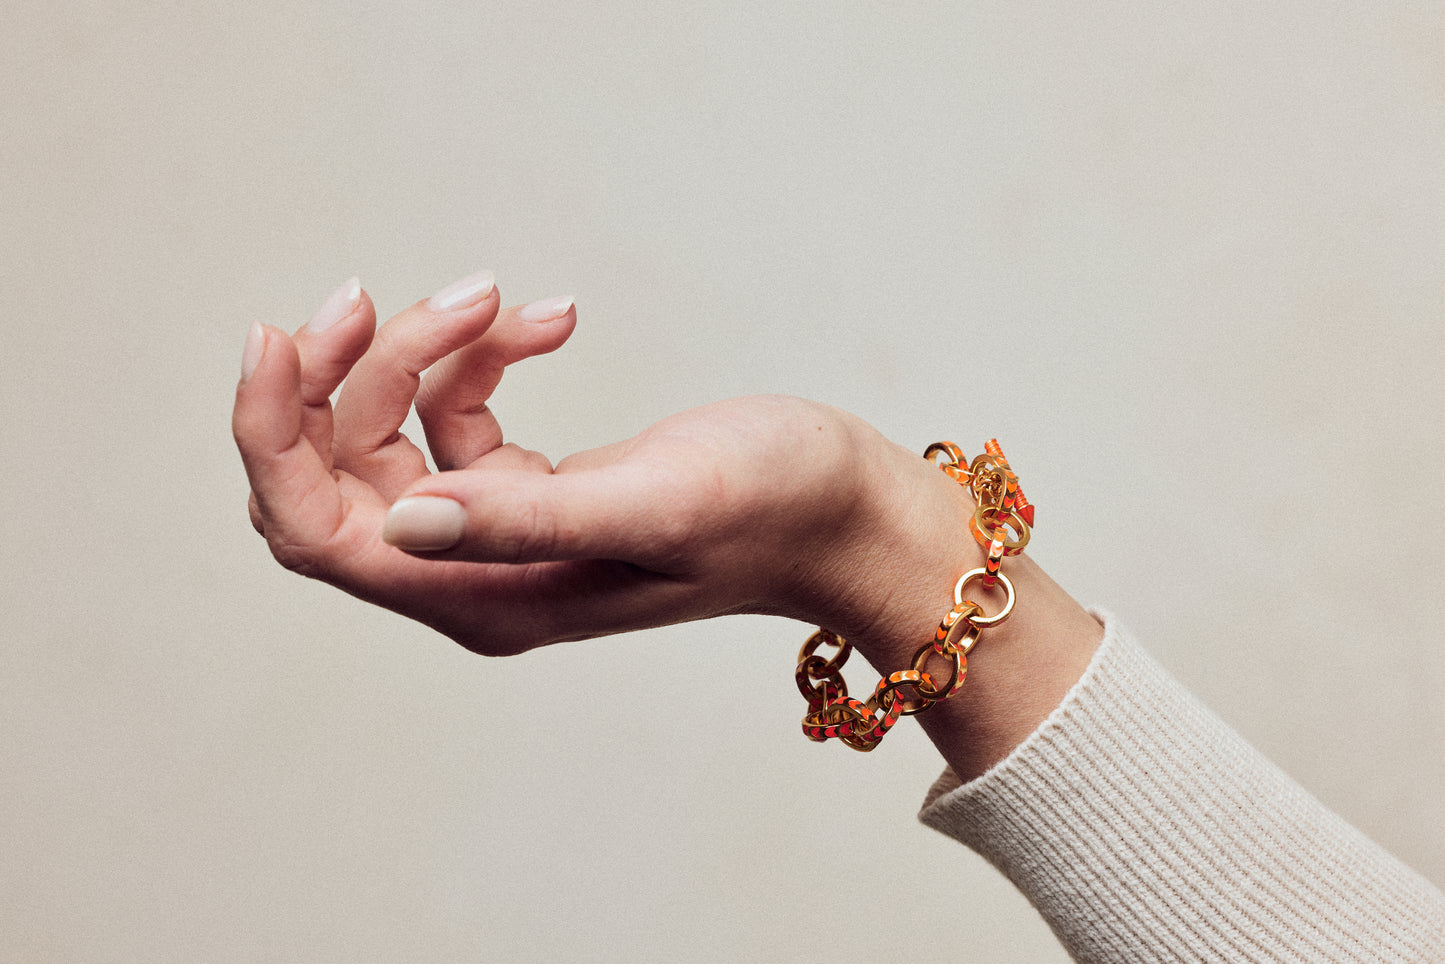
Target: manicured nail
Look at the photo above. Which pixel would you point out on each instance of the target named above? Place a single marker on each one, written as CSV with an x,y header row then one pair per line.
x,y
424,523
338,305
463,293
547,309
255,348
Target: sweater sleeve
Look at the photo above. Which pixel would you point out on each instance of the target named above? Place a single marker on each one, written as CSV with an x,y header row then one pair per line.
x,y
1145,829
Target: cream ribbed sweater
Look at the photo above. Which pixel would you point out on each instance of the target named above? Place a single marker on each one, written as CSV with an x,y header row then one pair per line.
x,y
1145,829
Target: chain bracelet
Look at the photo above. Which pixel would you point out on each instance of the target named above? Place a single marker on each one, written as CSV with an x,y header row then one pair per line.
x,y
1001,523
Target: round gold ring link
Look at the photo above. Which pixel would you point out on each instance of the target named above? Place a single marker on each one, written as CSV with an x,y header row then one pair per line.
x,y
998,617
825,638
817,693
986,521
867,737
893,684
961,613
930,692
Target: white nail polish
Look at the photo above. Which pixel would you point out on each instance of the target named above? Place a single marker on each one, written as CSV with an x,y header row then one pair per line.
x,y
424,523
338,305
547,309
253,352
464,293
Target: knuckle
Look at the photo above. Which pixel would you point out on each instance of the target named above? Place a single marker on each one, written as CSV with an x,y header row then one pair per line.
x,y
537,461
429,399
535,535
301,560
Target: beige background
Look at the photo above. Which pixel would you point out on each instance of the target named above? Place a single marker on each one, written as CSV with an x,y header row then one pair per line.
x,y
1202,243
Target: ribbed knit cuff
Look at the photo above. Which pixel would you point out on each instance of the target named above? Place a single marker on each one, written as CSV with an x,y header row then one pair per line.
x,y
1145,829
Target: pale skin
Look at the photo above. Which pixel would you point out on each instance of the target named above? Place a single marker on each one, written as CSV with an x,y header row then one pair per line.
x,y
766,504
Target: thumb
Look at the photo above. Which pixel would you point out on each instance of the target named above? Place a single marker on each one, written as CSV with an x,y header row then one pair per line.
x,y
519,516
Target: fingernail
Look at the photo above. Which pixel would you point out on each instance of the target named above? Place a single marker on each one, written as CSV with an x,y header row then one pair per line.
x,y
424,523
547,309
463,293
255,348
338,305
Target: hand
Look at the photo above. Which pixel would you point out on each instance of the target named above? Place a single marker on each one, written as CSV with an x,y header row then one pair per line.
x,y
767,504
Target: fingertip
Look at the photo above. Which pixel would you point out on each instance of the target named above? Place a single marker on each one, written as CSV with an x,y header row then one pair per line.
x,y
365,303
270,384
363,319
464,293
330,344
348,316
254,351
424,523
549,309
338,305
534,329
266,347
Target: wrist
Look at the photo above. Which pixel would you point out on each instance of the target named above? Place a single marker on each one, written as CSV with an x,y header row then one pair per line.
x,y
916,544
1018,673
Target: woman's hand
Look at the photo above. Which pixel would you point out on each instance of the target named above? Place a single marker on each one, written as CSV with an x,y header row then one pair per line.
x,y
766,504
